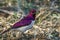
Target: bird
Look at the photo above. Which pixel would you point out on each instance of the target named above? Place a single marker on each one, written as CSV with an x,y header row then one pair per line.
x,y
25,23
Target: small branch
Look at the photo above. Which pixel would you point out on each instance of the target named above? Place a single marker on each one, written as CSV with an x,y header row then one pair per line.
x,y
40,14
6,11
46,15
53,3
54,9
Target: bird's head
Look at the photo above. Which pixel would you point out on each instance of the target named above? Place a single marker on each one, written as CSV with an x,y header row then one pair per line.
x,y
32,13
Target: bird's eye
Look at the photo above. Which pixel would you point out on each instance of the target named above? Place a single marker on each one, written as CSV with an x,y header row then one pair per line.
x,y
34,12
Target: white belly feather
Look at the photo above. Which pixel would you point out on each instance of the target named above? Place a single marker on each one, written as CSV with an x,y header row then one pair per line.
x,y
23,29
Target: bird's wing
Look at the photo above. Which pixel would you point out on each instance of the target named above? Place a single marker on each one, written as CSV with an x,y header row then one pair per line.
x,y
22,23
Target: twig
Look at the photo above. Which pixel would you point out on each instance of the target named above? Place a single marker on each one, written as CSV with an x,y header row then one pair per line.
x,y
46,15
53,3
39,14
6,12
54,9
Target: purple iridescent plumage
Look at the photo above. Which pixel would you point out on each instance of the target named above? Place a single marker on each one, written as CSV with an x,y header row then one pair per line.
x,y
21,23
26,20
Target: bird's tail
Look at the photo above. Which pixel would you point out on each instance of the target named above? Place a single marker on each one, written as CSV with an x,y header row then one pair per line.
x,y
5,31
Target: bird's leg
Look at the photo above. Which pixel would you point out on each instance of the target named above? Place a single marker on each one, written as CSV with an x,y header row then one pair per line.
x,y
35,34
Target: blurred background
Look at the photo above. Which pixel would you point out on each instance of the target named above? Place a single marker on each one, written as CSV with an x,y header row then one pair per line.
x,y
47,23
